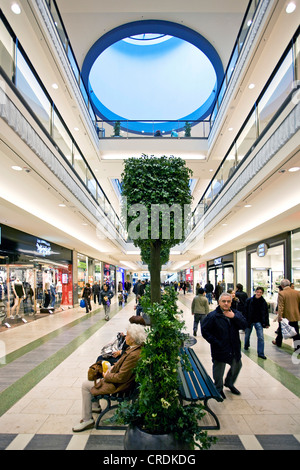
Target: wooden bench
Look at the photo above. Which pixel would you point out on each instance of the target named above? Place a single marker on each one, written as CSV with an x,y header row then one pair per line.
x,y
117,398
196,384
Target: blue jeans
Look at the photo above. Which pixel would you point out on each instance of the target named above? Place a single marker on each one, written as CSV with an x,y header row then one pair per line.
x,y
260,337
209,297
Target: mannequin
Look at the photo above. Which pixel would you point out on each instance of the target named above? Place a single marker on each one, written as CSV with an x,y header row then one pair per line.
x,y
53,295
19,294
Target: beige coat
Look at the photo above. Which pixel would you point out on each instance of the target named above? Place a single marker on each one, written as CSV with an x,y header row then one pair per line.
x,y
200,305
121,376
289,304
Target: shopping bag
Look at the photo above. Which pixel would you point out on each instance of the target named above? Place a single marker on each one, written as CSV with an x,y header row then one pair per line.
x,y
82,303
287,330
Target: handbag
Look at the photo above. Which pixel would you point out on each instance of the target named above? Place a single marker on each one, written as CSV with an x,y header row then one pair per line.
x,y
95,371
287,330
110,348
82,303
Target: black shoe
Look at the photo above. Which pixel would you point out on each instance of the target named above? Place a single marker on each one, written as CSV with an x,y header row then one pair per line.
x,y
222,394
233,390
262,356
246,348
195,333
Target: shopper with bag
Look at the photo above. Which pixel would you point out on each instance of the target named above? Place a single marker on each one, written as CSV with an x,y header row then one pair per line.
x,y
106,294
289,308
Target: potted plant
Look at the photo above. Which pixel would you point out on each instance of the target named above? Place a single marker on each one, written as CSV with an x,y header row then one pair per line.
x,y
157,419
187,129
117,128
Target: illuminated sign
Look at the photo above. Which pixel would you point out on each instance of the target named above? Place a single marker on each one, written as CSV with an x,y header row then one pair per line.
x,y
43,248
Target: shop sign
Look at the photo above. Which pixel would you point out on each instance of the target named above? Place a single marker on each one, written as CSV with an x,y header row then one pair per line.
x,y
217,261
43,248
262,249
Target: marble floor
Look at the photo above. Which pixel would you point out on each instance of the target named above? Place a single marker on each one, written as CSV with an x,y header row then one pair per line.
x,y
43,363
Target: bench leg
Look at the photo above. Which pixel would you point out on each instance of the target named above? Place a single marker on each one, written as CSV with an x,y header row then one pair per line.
x,y
217,425
108,407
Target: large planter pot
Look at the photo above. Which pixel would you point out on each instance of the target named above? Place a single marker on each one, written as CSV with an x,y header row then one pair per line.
x,y
136,439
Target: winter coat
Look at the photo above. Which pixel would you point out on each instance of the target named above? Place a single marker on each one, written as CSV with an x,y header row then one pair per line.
x,y
200,304
121,377
106,293
289,304
256,311
223,334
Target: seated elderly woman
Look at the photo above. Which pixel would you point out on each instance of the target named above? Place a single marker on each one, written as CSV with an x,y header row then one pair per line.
x,y
118,379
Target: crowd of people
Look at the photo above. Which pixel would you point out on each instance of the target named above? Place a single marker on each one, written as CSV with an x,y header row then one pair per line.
x,y
236,311
220,327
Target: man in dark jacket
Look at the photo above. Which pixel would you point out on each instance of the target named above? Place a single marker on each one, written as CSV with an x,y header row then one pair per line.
x,y
242,296
257,316
106,294
221,329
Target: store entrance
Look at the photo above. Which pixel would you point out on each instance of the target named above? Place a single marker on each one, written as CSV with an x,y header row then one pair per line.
x,y
267,271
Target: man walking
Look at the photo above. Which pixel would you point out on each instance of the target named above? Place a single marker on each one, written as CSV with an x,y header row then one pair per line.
x,y
289,307
200,309
221,329
257,315
209,291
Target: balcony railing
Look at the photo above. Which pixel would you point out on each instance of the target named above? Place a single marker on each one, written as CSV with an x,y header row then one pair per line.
x,y
281,88
17,68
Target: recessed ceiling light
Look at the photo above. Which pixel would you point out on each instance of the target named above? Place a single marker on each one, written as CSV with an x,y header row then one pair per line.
x,y
15,8
55,86
76,128
16,168
84,224
211,169
247,205
290,7
295,168
230,129
62,205
251,86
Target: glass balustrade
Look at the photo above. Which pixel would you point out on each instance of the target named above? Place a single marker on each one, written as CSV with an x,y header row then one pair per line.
x,y
18,69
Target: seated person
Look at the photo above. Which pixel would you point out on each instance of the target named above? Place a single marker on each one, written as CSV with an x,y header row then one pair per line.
x,y
116,355
118,379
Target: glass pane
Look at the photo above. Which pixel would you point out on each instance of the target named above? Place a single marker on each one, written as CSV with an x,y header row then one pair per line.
x,y
228,166
100,197
32,92
91,183
79,165
59,26
276,93
73,63
232,63
6,51
247,138
62,137
217,183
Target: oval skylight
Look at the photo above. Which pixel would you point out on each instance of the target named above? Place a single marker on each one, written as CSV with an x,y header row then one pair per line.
x,y
171,77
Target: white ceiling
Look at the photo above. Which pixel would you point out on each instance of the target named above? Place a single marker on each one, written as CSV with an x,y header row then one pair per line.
x,y
85,22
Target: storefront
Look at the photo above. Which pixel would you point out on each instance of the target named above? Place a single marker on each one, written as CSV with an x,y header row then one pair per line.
x,y
200,276
120,276
34,273
189,277
295,258
268,262
222,270
109,275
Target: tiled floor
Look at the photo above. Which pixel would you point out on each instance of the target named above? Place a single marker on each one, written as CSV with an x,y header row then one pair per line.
x,y
47,360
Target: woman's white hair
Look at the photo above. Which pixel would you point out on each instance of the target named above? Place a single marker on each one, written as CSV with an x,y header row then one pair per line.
x,y
137,333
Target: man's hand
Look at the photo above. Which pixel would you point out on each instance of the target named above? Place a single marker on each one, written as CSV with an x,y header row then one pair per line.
x,y
228,313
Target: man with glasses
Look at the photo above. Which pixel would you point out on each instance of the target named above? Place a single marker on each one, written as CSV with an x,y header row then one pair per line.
x,y
221,329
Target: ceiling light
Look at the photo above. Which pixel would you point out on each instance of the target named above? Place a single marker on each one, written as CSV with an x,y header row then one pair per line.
x,y
16,168
230,129
15,8
55,86
293,169
251,86
76,128
247,205
62,205
290,7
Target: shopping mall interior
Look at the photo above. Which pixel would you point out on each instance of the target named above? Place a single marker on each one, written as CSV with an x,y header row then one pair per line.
x,y
84,87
